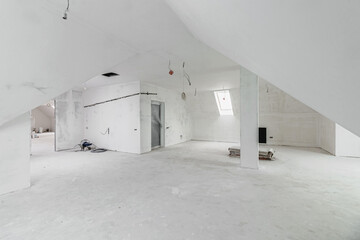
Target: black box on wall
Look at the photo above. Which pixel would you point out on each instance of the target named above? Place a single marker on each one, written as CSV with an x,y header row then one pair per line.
x,y
262,135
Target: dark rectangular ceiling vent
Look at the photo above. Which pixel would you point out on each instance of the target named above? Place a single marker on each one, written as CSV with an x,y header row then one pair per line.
x,y
110,74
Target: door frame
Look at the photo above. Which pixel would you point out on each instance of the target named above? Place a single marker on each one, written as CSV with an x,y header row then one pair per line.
x,y
162,120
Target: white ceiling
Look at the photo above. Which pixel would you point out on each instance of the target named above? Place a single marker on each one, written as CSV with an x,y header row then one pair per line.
x,y
155,35
43,56
308,48
153,67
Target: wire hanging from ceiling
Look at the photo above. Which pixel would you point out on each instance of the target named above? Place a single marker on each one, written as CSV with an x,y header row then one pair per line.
x,y
66,10
186,75
183,94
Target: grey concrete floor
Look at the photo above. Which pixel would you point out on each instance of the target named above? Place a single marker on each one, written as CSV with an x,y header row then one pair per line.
x,y
188,191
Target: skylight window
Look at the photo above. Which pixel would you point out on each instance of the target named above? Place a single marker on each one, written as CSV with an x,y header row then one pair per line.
x,y
223,101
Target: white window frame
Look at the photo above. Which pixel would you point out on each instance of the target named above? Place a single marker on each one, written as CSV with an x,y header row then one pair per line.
x,y
224,112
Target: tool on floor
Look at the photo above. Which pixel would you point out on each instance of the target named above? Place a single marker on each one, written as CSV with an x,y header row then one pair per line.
x,y
86,145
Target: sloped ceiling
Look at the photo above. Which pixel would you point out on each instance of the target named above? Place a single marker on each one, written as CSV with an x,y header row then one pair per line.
x,y
157,35
47,110
43,56
310,49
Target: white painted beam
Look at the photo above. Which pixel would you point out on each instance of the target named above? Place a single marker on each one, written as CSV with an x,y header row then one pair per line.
x,y
249,119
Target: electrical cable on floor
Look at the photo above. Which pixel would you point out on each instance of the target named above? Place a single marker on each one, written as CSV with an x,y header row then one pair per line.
x,y
99,150
86,145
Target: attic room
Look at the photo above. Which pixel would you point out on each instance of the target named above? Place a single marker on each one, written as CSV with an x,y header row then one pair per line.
x,y
179,120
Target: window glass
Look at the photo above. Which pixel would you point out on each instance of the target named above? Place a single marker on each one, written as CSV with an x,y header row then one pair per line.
x,y
223,101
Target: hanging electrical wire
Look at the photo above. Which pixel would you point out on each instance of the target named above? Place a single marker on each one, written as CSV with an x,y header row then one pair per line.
x,y
66,10
183,94
186,75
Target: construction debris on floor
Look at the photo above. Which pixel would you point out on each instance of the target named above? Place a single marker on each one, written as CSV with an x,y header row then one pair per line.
x,y
234,151
86,145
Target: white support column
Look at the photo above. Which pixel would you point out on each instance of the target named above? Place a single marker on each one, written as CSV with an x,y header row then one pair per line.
x,y
249,119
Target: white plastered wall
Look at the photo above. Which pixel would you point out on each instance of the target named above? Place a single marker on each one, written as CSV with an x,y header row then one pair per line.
x,y
309,49
288,121
177,119
41,120
113,125
207,123
327,135
347,143
69,115
15,154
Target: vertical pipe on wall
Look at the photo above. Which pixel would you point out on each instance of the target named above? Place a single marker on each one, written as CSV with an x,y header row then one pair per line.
x,y
249,119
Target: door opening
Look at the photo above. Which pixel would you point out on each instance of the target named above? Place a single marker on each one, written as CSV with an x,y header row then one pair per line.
x,y
157,113
43,128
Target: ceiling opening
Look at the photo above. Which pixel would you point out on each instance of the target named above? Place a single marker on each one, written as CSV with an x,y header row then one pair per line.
x,y
110,74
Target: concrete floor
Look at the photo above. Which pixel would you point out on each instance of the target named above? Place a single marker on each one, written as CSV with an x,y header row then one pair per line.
x,y
188,191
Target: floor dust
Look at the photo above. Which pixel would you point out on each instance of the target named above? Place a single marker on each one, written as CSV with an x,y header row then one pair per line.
x,y
187,191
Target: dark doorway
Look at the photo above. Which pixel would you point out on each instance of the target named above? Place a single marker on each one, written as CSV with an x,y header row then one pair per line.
x,y
155,125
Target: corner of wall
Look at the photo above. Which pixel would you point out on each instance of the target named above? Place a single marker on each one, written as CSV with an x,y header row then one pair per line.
x,y
327,135
15,154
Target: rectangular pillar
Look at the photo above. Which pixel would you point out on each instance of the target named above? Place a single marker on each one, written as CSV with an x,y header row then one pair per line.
x,y
69,120
249,119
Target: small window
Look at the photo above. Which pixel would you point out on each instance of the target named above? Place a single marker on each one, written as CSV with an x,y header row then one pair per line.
x,y
223,101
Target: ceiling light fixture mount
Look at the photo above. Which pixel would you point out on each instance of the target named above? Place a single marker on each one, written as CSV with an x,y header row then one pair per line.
x,y
171,72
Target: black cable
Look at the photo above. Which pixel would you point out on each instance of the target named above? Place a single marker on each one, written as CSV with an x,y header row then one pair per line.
x,y
66,10
99,150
